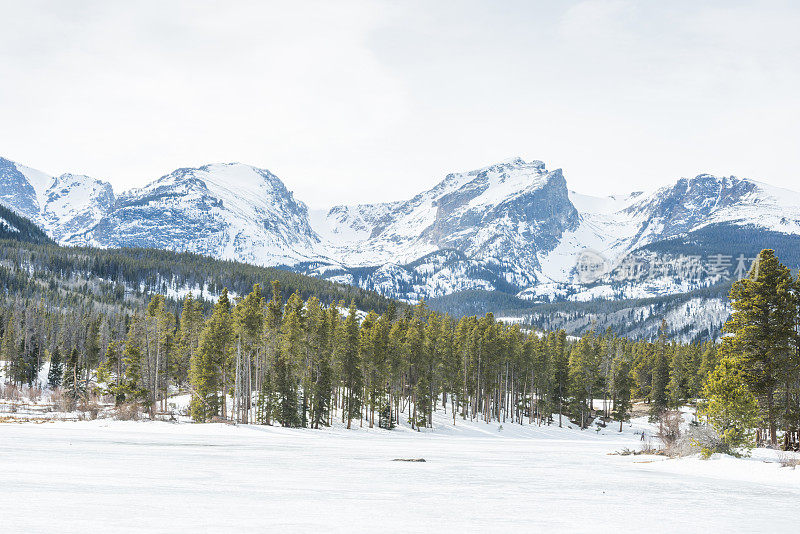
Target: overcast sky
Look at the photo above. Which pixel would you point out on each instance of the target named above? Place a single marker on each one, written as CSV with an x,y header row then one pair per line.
x,y
369,101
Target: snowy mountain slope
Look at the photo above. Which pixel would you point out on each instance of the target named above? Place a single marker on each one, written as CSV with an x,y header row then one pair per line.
x,y
73,203
229,211
62,205
347,224
513,209
693,203
616,226
519,221
604,227
17,191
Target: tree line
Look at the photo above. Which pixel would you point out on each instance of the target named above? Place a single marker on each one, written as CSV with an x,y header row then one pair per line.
x,y
297,363
300,363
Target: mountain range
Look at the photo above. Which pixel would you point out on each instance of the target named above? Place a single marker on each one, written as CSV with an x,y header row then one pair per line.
x,y
513,227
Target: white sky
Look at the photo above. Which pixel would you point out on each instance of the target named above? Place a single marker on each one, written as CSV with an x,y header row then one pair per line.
x,y
369,101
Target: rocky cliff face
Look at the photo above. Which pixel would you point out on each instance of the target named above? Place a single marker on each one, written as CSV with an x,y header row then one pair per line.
x,y
503,216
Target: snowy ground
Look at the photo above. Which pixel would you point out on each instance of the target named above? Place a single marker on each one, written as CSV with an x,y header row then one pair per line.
x,y
120,476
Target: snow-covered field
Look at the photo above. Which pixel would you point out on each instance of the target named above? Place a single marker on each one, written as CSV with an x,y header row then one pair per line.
x,y
117,476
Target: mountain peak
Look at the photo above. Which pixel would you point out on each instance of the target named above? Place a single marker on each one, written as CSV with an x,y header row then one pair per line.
x,y
509,163
227,210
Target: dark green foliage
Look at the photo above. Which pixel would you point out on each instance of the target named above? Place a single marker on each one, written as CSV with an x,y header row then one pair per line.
x,y
622,386
348,354
56,372
74,389
660,380
765,340
107,275
17,228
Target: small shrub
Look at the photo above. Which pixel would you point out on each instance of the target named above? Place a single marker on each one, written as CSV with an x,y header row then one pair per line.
x,y
62,401
129,411
787,459
648,448
706,440
669,432
91,408
11,392
34,393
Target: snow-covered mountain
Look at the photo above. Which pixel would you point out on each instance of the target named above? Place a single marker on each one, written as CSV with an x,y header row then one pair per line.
x,y
510,210
229,211
515,227
62,205
512,227
695,220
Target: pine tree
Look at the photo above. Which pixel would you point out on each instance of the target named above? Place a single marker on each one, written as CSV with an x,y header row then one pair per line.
x,y
397,367
419,372
133,386
56,371
622,384
159,334
708,362
558,356
730,407
267,399
208,368
352,379
678,386
319,343
372,340
660,380
290,357
188,338
9,349
763,324
92,345
110,372
248,317
73,387
542,377
33,361
584,370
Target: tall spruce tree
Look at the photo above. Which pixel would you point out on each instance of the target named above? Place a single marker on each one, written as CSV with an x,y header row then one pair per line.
x,y
267,397
248,320
763,324
290,358
188,338
348,351
56,372
584,371
209,366
133,386
660,379
622,385
73,386
10,349
319,343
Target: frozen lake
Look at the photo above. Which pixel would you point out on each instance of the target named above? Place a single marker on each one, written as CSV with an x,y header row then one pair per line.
x,y
138,476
